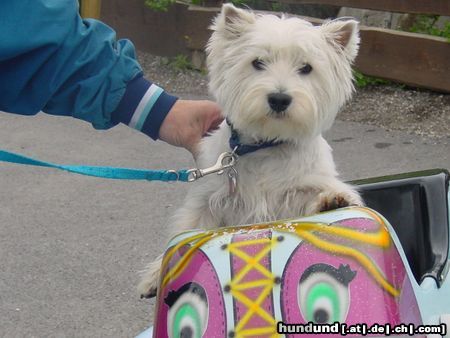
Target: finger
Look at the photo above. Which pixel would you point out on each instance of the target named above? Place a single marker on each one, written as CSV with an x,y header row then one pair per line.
x,y
212,122
216,123
214,126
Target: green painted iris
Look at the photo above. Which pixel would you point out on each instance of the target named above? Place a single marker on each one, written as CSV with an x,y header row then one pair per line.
x,y
322,304
187,319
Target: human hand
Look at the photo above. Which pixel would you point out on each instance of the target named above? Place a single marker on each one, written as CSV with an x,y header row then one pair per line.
x,y
188,121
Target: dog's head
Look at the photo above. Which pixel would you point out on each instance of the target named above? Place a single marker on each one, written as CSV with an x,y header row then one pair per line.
x,y
280,77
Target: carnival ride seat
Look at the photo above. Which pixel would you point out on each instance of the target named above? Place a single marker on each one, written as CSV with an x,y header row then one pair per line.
x,y
417,206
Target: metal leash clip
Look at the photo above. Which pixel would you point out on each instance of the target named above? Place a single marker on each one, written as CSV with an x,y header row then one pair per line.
x,y
225,160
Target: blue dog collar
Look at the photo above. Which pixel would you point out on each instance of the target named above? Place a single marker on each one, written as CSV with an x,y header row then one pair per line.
x,y
240,149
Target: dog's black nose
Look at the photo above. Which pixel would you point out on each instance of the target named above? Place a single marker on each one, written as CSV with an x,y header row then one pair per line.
x,y
279,101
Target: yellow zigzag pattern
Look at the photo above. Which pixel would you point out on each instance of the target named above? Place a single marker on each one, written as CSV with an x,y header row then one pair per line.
x,y
308,231
267,282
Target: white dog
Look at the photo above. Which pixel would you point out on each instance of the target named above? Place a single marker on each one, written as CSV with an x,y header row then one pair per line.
x,y
280,82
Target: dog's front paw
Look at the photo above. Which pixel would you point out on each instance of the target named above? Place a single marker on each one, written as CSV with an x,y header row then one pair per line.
x,y
148,286
334,200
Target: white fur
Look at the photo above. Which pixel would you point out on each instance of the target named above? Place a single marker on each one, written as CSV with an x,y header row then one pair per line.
x,y
292,179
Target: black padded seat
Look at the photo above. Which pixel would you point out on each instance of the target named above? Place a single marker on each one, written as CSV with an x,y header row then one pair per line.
x,y
416,205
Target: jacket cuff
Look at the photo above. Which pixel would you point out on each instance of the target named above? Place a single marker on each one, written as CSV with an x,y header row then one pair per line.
x,y
144,107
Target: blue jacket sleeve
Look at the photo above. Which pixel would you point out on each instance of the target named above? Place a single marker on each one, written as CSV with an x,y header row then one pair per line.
x,y
52,60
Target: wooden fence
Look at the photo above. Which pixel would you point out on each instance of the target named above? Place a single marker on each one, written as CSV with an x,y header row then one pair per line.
x,y
90,8
438,7
414,59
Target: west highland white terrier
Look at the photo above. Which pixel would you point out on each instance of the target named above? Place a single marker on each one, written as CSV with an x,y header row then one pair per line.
x,y
280,82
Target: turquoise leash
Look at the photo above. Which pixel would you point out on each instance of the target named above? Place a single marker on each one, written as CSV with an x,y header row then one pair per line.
x,y
103,172
225,160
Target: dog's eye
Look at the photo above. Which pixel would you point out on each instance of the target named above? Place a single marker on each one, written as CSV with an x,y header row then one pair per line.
x,y
306,69
258,64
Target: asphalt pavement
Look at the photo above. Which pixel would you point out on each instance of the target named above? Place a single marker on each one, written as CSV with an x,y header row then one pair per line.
x,y
71,246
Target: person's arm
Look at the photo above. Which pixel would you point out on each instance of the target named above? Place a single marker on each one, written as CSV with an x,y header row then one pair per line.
x,y
52,60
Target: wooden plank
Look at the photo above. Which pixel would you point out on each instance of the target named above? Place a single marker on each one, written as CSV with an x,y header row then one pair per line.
x,y
414,59
91,8
195,20
159,33
417,60
437,7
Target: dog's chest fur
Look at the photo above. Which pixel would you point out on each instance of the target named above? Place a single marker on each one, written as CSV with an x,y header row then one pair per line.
x,y
273,183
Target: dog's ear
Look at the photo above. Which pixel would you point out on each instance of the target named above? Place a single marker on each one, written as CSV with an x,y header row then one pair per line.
x,y
232,21
343,35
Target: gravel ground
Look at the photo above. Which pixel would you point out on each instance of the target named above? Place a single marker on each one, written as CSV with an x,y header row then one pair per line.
x,y
416,111
391,107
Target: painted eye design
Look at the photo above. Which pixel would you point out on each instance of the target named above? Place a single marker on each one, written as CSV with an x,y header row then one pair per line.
x,y
306,69
323,293
258,64
188,312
